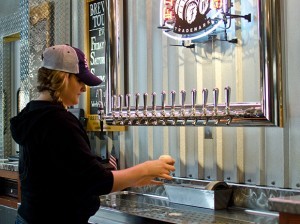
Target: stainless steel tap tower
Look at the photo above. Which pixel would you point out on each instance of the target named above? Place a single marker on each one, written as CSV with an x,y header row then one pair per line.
x,y
193,114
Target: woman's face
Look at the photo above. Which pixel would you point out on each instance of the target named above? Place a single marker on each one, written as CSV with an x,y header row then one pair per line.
x,y
71,93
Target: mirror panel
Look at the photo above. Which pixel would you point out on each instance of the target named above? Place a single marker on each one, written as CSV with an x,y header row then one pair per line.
x,y
215,83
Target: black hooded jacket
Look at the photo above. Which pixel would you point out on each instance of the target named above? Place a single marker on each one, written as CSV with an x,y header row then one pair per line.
x,y
61,179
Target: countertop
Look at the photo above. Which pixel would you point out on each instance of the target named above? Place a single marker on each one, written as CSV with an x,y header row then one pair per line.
x,y
129,207
287,204
132,207
9,166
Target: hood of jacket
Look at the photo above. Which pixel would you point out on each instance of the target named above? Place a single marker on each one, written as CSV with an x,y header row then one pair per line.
x,y
35,114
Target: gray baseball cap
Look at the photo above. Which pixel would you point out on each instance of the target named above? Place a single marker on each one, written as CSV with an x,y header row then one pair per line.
x,y
69,59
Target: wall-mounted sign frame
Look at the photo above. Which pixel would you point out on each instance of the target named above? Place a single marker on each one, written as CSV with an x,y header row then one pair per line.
x,y
100,57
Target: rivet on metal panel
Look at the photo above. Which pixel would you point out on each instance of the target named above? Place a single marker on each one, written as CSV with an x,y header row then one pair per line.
x,y
273,182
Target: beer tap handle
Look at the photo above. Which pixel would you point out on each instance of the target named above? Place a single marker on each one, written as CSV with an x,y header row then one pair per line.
x,y
215,99
173,96
100,103
120,104
128,107
137,98
227,104
145,114
183,97
215,102
121,108
163,100
194,98
100,113
154,101
128,102
204,97
227,99
204,104
99,94
145,101
114,101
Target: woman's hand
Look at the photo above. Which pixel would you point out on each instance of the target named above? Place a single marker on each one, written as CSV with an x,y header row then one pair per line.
x,y
147,181
144,174
160,168
168,159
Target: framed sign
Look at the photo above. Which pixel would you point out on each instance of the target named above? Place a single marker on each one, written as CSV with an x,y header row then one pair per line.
x,y
99,57
96,44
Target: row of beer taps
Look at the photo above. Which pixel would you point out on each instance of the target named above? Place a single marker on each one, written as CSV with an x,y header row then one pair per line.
x,y
173,115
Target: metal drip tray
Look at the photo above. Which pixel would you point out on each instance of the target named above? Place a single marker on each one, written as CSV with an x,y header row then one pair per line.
x,y
194,195
129,207
172,215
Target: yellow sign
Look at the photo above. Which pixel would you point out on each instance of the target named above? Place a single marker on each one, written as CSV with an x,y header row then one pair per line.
x,y
93,124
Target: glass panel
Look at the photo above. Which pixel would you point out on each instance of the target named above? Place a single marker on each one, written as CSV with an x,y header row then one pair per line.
x,y
231,78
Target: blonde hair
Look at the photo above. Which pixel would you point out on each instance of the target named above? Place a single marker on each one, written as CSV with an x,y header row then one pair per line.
x,y
52,81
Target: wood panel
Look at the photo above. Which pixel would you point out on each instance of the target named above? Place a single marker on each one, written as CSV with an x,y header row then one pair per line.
x,y
8,200
286,218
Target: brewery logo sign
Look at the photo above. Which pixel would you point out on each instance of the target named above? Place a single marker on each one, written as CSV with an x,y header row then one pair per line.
x,y
192,19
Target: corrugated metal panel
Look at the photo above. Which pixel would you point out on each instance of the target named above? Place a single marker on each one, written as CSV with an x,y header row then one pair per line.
x,y
231,154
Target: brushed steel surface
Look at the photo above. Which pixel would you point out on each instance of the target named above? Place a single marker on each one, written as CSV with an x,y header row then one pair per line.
x,y
129,204
7,215
200,197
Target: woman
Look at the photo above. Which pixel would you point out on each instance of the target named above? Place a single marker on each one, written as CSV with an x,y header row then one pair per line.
x,y
61,179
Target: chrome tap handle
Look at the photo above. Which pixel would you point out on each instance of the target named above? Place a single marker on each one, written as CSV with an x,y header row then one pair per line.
x,y
183,97
128,107
100,103
227,98
100,110
163,100
121,108
145,101
154,121
120,104
194,98
215,102
163,106
145,96
128,102
173,96
137,98
215,99
154,101
113,112
204,99
114,102
99,94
